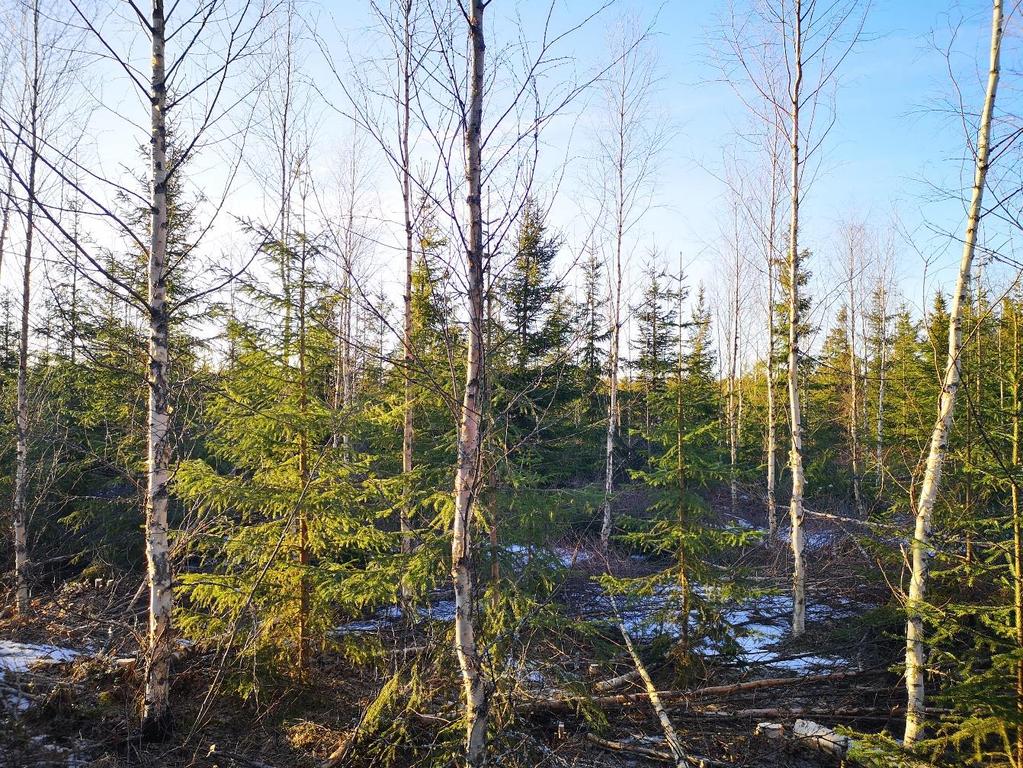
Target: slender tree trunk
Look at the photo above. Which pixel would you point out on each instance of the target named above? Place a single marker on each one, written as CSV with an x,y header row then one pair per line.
x,y
303,465
854,376
1017,527
772,419
407,434
466,480
342,363
491,502
5,212
678,753
915,657
607,523
286,180
156,710
733,404
344,382
73,308
20,510
882,369
613,417
680,469
795,418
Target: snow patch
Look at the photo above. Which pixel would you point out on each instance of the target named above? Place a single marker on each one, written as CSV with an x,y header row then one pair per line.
x,y
20,657
388,616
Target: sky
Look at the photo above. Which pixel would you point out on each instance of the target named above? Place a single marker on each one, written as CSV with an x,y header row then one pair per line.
x,y
891,147
887,145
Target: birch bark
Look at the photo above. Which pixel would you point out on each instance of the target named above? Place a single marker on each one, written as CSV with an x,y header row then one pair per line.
x,y
156,707
407,434
466,480
772,419
795,417
915,656
20,510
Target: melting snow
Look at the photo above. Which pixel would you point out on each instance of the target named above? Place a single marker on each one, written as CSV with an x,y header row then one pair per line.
x,y
19,657
439,610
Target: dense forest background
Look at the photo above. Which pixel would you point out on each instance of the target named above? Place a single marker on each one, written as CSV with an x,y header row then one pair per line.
x,y
354,411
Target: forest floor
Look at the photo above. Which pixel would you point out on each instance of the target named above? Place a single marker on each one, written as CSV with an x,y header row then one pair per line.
x,y
70,677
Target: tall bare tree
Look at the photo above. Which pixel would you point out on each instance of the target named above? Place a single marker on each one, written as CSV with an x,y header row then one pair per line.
x,y
928,494
855,243
628,145
468,447
156,705
34,84
197,72
788,53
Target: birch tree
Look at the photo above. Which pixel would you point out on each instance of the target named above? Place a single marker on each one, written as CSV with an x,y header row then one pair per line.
x,y
783,58
33,81
192,81
854,243
156,705
517,121
628,144
393,131
757,196
733,304
42,107
468,445
928,494
769,243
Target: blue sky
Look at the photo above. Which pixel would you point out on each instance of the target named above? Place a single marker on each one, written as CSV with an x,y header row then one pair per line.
x,y
888,145
891,147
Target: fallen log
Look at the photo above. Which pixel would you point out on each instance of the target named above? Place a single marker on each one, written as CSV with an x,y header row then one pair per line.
x,y
637,747
571,702
678,753
614,683
858,713
821,738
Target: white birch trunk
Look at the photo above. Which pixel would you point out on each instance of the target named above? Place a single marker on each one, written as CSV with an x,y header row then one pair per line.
x,y
156,708
20,509
795,418
607,524
772,430
915,656
854,447
406,194
466,481
612,406
733,403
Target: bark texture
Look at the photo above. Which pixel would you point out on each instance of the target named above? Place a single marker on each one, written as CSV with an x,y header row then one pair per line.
x,y
772,419
20,509
407,434
795,417
466,476
156,708
607,523
915,655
